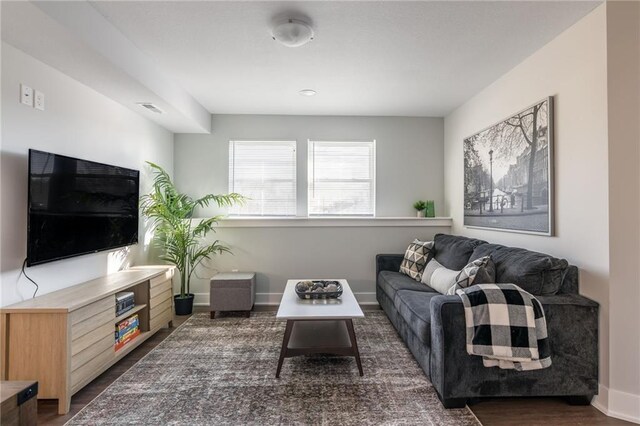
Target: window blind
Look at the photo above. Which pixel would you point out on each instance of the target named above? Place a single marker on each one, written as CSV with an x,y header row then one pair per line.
x,y
342,178
264,172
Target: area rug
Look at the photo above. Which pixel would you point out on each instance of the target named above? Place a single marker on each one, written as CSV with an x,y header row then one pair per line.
x,y
222,372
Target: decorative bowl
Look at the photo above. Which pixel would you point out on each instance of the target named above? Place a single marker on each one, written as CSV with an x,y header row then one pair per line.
x,y
318,289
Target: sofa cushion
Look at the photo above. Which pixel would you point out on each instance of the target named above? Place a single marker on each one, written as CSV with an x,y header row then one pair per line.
x,y
453,251
537,273
414,308
391,282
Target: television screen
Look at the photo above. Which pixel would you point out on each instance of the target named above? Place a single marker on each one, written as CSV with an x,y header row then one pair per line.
x,y
78,207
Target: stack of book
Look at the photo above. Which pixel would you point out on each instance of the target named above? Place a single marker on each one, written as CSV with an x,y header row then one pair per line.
x,y
127,330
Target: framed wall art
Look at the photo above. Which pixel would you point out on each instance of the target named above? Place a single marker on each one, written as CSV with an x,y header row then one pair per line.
x,y
508,173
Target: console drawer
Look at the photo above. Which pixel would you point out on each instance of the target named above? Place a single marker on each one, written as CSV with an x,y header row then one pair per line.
x,y
159,299
92,368
160,308
94,308
160,288
83,342
161,319
161,279
91,324
84,356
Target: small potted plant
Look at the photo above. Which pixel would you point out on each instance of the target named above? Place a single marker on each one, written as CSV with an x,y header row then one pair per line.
x,y
420,206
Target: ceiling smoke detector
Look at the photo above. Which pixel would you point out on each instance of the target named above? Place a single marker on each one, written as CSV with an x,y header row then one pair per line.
x,y
307,92
292,33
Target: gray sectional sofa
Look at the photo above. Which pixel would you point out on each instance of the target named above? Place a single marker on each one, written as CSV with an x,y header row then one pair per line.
x,y
433,325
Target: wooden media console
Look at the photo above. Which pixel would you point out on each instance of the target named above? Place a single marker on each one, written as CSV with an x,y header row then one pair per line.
x,y
65,339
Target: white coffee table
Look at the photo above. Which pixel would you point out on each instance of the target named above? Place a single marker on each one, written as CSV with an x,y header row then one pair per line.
x,y
319,326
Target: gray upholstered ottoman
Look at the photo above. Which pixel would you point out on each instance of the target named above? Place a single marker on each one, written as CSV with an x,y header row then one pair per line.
x,y
232,291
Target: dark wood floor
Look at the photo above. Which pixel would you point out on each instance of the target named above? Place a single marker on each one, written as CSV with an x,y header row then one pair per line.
x,y
498,412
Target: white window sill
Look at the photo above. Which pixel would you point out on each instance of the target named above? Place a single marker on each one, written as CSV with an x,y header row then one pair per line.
x,y
317,222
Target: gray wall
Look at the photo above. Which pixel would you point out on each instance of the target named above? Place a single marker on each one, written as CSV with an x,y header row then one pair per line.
x,y
277,254
79,122
409,166
409,154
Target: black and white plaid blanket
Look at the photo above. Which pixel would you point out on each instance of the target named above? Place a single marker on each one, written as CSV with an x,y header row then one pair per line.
x,y
506,326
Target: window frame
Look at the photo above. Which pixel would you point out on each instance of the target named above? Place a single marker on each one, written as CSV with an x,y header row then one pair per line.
x,y
231,176
311,180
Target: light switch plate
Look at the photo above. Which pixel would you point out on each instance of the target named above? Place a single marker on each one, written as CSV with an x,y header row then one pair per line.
x,y
26,95
38,100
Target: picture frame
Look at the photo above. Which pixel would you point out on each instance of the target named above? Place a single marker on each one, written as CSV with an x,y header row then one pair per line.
x,y
497,161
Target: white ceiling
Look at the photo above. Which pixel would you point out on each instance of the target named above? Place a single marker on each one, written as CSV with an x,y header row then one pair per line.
x,y
194,58
368,58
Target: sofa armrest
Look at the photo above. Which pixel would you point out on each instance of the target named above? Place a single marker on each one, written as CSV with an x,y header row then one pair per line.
x,y
572,325
388,262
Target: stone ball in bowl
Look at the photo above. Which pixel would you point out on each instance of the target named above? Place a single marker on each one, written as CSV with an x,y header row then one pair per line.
x,y
331,288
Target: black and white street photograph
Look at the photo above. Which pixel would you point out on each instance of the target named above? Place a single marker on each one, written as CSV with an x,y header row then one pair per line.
x,y
508,177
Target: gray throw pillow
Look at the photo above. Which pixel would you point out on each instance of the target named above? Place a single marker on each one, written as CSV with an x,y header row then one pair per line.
x,y
480,271
447,281
415,258
438,277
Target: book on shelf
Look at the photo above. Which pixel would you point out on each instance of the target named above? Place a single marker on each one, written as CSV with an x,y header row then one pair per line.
x,y
122,342
126,330
121,335
127,322
122,329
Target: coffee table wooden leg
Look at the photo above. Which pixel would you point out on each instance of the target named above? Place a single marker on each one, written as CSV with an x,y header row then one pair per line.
x,y
285,344
354,344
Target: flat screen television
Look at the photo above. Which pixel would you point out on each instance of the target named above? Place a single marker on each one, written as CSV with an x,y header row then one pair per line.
x,y
78,207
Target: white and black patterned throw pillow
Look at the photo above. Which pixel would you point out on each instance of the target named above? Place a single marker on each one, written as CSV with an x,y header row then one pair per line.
x,y
479,271
415,258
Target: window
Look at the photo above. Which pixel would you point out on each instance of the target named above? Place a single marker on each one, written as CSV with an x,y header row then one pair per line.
x,y
264,172
342,179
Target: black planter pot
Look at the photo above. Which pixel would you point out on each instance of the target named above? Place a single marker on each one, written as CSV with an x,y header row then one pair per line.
x,y
184,306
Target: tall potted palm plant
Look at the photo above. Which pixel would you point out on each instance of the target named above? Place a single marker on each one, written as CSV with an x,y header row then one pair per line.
x,y
181,239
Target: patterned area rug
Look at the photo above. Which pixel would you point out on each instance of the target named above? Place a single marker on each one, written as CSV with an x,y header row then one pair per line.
x,y
222,372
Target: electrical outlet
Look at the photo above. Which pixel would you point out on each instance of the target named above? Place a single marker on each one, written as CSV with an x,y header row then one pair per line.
x,y
26,95
38,100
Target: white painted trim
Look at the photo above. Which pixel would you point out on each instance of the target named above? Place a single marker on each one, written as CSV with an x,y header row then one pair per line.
x,y
201,299
316,222
601,400
268,299
366,298
273,299
618,404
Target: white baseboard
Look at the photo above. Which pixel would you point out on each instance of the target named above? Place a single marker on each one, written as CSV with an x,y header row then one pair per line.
x,y
366,298
601,400
201,299
268,299
618,404
273,299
